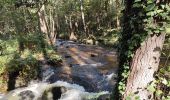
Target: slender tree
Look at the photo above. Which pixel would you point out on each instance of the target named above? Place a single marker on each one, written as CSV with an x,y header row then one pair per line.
x,y
83,17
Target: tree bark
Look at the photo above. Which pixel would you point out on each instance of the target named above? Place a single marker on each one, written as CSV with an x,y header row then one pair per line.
x,y
43,29
144,64
52,28
72,35
117,14
83,18
43,23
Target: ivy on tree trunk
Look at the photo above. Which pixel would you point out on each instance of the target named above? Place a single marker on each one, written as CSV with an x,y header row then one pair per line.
x,y
141,42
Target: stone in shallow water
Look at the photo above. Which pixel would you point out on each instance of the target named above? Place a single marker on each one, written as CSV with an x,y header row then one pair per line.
x,y
26,95
67,56
93,55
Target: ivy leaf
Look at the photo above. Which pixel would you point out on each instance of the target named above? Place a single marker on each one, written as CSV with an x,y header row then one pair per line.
x,y
150,1
151,13
120,83
159,11
156,31
168,97
164,81
158,92
137,5
168,30
163,6
137,0
128,98
151,88
137,98
150,7
167,7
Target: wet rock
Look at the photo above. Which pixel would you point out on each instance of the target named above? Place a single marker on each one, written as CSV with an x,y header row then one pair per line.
x,y
104,97
91,79
74,65
93,55
67,56
53,93
67,46
26,95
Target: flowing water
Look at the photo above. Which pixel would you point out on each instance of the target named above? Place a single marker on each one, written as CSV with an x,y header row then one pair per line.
x,y
88,73
59,90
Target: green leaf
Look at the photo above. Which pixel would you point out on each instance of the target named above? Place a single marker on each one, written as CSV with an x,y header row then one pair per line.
x,y
168,97
137,0
158,92
150,7
168,30
150,1
151,13
163,6
137,98
128,98
151,88
167,7
156,31
159,11
120,83
164,81
137,5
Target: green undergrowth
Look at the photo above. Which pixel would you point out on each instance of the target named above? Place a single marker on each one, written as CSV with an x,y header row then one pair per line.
x,y
9,48
27,62
110,38
52,57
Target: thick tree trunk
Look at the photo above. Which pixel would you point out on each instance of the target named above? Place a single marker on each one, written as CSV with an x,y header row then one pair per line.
x,y
144,64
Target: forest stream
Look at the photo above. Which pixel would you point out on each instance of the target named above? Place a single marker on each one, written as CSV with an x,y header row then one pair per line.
x,y
87,72
84,49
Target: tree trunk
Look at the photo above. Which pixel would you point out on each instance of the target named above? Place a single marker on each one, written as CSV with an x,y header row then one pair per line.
x,y
52,29
72,35
144,64
43,24
43,29
98,21
117,14
83,18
